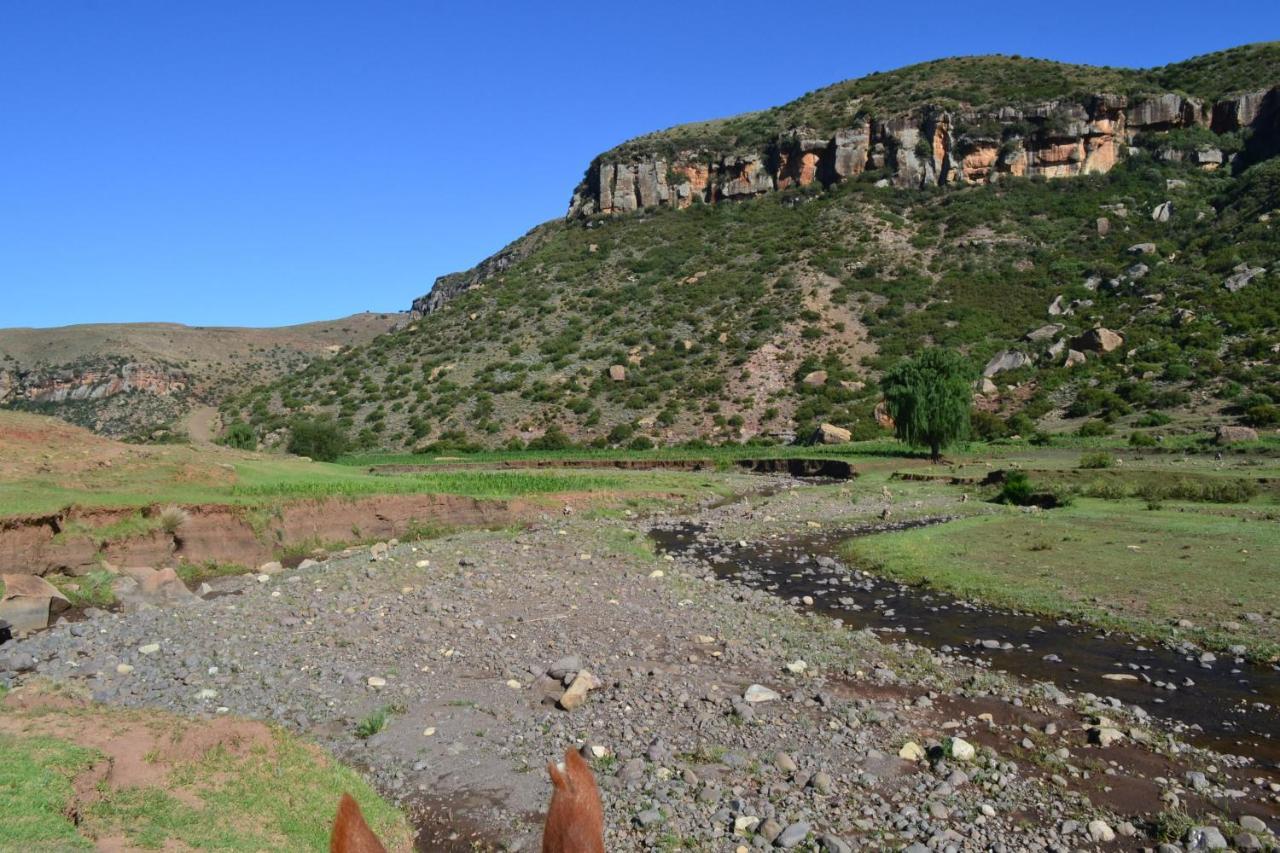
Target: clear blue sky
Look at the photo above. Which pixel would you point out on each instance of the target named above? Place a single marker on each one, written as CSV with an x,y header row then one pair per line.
x,y
262,162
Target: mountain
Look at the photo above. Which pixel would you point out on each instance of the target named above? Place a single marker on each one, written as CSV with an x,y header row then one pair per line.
x,y
130,379
1100,240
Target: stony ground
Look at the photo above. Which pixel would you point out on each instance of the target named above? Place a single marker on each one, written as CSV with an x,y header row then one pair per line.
x,y
465,643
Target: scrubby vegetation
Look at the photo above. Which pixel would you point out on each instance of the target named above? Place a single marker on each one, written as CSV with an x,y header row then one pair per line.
x,y
758,321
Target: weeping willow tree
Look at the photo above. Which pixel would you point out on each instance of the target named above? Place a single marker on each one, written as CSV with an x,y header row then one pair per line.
x,y
930,398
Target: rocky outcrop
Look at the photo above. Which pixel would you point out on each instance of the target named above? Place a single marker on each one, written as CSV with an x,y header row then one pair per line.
x,y
927,146
446,287
90,382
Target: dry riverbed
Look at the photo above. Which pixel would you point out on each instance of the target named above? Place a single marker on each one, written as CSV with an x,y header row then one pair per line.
x,y
436,668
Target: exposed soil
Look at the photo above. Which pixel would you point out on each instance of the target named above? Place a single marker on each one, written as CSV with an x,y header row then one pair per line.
x,y
228,534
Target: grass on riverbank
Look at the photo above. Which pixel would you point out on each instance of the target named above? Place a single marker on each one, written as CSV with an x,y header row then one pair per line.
x,y
1112,563
239,786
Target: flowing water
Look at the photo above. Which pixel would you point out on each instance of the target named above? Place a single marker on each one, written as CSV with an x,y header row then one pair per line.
x,y
1225,703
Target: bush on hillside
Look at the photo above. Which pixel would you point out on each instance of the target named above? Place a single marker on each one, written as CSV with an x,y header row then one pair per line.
x,y
240,435
318,437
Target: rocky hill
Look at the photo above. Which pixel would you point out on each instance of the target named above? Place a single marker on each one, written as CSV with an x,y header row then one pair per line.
x,y
972,120
871,218
131,379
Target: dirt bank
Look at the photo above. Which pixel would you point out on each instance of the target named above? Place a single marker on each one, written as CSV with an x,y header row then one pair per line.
x,y
72,541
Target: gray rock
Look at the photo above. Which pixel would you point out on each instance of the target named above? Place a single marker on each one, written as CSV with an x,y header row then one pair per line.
x,y
793,835
1241,275
1205,838
564,666
834,844
1006,360
648,818
1249,823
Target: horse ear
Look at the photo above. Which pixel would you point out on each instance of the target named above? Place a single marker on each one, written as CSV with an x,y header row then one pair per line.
x,y
578,770
350,832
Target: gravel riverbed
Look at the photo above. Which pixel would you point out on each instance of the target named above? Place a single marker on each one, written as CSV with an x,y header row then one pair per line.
x,y
724,718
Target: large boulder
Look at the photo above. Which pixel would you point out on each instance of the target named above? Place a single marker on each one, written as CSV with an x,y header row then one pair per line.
x,y
143,588
1162,211
1098,339
1240,277
1044,333
30,603
1006,360
882,416
831,434
1228,434
815,379
617,373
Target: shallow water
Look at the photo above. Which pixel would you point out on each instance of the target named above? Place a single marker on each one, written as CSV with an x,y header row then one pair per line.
x,y
1228,705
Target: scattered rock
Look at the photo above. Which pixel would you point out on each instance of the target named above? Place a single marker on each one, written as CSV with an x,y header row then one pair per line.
x,y
831,434
1240,277
911,751
576,694
1006,360
30,603
757,693
1228,434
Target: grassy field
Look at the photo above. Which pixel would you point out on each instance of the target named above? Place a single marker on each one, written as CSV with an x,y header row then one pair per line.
x,y
1112,563
230,785
46,465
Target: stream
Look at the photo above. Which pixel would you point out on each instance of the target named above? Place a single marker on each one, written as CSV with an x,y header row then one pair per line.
x,y
1222,703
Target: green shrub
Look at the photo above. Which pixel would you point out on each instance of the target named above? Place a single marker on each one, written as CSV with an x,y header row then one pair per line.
x,y
1141,439
1153,419
1016,489
986,426
240,435
1100,459
1107,490
1093,429
1263,415
318,437
553,439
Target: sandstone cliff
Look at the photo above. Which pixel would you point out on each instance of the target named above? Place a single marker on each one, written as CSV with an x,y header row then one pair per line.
x,y
931,146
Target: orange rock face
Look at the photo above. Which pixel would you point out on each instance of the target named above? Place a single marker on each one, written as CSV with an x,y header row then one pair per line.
x,y
976,166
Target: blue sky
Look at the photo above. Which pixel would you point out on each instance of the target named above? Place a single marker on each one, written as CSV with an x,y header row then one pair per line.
x,y
262,162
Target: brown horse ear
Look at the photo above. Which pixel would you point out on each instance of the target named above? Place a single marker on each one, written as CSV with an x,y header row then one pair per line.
x,y
578,771
559,778
350,832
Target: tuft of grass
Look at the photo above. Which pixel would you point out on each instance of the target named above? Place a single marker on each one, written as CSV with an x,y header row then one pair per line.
x,y
171,519
89,590
195,573
374,723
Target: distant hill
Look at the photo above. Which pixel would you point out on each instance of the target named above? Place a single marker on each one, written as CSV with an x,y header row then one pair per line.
x,y
130,379
1006,207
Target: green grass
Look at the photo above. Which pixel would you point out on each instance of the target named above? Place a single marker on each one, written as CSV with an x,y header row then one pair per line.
x,y
196,573
1112,563
90,590
35,786
266,482
281,796
374,723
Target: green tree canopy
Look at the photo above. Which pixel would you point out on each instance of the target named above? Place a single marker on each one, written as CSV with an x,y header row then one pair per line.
x,y
930,398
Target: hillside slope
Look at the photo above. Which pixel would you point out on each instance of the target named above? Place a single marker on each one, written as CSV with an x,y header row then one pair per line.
x,y
127,379
767,316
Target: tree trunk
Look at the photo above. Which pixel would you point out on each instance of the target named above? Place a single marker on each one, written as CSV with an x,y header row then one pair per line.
x,y
935,452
